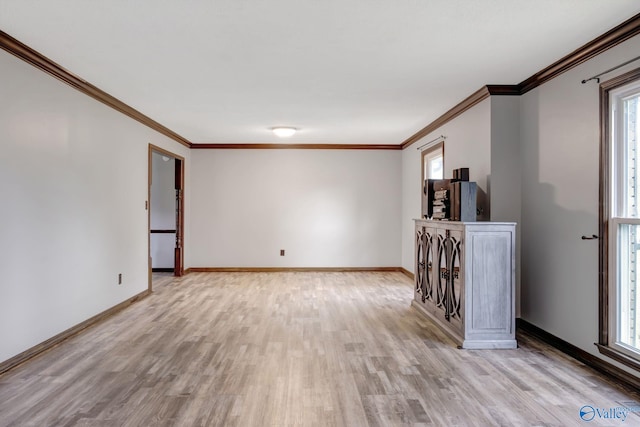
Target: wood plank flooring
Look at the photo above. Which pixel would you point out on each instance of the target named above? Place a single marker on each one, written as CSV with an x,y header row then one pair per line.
x,y
294,349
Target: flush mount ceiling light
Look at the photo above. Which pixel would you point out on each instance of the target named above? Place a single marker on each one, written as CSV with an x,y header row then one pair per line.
x,y
283,132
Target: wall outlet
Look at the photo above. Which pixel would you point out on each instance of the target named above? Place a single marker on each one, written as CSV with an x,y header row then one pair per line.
x,y
281,252
120,279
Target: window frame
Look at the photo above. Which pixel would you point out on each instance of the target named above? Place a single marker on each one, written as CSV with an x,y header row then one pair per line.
x,y
608,229
426,152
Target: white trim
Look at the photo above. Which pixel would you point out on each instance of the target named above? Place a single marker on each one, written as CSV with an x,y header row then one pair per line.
x,y
617,216
614,280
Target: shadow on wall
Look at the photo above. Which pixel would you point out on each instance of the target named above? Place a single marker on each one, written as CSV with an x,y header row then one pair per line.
x,y
482,202
559,270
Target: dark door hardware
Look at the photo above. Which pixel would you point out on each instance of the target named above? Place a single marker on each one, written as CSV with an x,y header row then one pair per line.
x,y
593,237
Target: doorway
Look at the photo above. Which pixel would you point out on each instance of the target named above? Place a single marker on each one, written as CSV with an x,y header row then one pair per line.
x,y
165,212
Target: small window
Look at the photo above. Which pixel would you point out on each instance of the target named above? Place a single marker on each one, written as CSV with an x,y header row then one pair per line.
x,y
433,162
432,168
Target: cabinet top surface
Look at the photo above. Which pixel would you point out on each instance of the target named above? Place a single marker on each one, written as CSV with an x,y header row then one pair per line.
x,y
433,221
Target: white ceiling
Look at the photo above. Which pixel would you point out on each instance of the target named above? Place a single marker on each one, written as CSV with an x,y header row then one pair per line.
x,y
343,71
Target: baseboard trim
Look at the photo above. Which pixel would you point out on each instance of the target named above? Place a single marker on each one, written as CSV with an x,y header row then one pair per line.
x,y
162,270
407,273
57,339
618,375
288,269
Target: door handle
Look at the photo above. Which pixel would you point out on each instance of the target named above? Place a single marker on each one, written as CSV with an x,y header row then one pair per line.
x,y
593,237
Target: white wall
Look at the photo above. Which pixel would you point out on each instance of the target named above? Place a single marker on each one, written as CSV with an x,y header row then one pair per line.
x,y
505,195
560,142
326,208
468,144
163,210
73,179
505,158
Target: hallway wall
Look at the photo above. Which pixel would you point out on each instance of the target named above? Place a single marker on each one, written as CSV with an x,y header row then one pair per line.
x,y
73,177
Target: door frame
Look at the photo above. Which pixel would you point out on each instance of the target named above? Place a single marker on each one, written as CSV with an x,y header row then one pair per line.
x,y
178,269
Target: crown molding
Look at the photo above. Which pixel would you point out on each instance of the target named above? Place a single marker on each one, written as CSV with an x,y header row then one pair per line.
x,y
297,146
473,99
611,38
606,41
50,67
504,90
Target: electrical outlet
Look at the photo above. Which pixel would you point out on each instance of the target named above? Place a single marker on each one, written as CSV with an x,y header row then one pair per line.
x,y
120,279
281,252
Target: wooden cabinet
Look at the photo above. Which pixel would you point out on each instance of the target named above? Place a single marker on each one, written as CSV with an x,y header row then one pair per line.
x,y
465,280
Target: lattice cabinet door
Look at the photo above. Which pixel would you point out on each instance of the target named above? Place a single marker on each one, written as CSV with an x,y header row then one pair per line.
x,y
442,274
420,264
424,265
455,285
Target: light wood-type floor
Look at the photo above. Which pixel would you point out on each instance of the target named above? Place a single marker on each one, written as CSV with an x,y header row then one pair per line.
x,y
293,349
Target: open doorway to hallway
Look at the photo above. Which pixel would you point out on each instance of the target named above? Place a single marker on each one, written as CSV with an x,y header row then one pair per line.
x,y
166,214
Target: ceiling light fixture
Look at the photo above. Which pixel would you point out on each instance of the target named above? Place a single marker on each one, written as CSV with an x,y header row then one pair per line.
x,y
284,132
